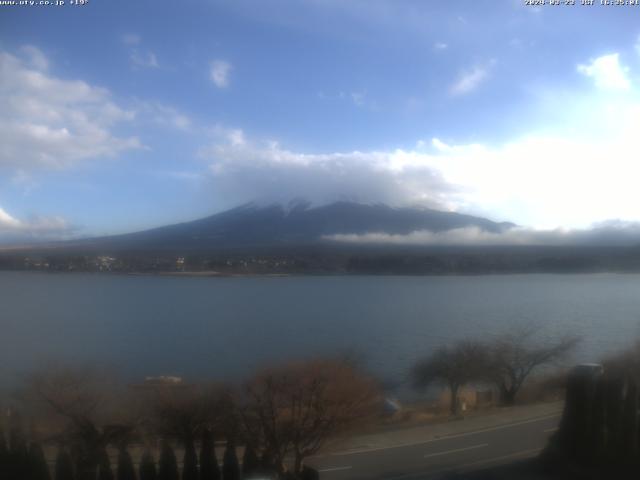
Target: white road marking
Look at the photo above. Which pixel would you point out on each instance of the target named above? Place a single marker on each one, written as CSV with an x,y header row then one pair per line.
x,y
482,445
335,469
446,437
438,473
521,453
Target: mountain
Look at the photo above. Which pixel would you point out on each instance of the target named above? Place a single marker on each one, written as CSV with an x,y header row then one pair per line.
x,y
251,226
279,240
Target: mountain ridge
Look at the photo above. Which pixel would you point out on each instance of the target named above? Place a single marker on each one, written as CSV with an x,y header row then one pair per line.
x,y
251,225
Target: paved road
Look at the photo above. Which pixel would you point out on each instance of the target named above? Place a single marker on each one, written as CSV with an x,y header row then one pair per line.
x,y
435,457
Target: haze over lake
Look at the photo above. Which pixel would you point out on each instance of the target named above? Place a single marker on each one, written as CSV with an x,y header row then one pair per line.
x,y
227,327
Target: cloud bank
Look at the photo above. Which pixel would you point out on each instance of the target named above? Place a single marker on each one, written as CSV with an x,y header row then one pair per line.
x,y
611,234
241,169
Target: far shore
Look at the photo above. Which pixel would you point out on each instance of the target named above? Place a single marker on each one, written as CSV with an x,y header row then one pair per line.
x,y
211,273
214,273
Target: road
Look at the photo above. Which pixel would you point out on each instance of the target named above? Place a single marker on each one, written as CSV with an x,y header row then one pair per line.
x,y
435,457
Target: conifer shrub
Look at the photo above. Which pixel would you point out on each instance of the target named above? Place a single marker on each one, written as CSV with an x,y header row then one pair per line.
x,y
148,466
125,469
168,465
230,465
209,469
64,466
190,462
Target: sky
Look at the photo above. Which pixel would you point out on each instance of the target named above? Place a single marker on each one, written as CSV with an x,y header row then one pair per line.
x,y
117,116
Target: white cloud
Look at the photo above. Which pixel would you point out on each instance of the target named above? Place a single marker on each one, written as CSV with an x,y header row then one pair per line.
x,y
233,136
610,235
158,113
607,72
144,60
546,179
358,98
243,170
7,221
35,58
12,229
468,81
139,57
219,73
130,39
165,115
51,122
440,46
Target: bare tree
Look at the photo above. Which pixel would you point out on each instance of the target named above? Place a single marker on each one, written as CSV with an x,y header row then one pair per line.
x,y
71,393
80,397
296,408
515,355
453,366
185,411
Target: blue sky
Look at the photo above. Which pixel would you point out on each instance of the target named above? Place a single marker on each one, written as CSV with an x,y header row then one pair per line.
x,y
117,116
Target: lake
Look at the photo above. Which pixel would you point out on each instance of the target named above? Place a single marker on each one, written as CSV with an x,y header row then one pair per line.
x,y
227,327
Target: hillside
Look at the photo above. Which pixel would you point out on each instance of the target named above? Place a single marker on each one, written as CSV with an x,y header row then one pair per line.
x,y
250,226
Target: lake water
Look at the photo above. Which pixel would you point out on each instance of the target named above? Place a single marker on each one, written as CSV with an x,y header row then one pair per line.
x,y
227,327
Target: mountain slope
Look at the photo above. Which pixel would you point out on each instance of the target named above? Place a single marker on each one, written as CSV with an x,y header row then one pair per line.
x,y
252,226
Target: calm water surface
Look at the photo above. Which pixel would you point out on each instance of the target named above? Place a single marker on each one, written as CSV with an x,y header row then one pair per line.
x,y
226,327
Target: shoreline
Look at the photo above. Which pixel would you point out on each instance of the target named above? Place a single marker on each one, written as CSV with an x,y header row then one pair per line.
x,y
208,273
216,274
